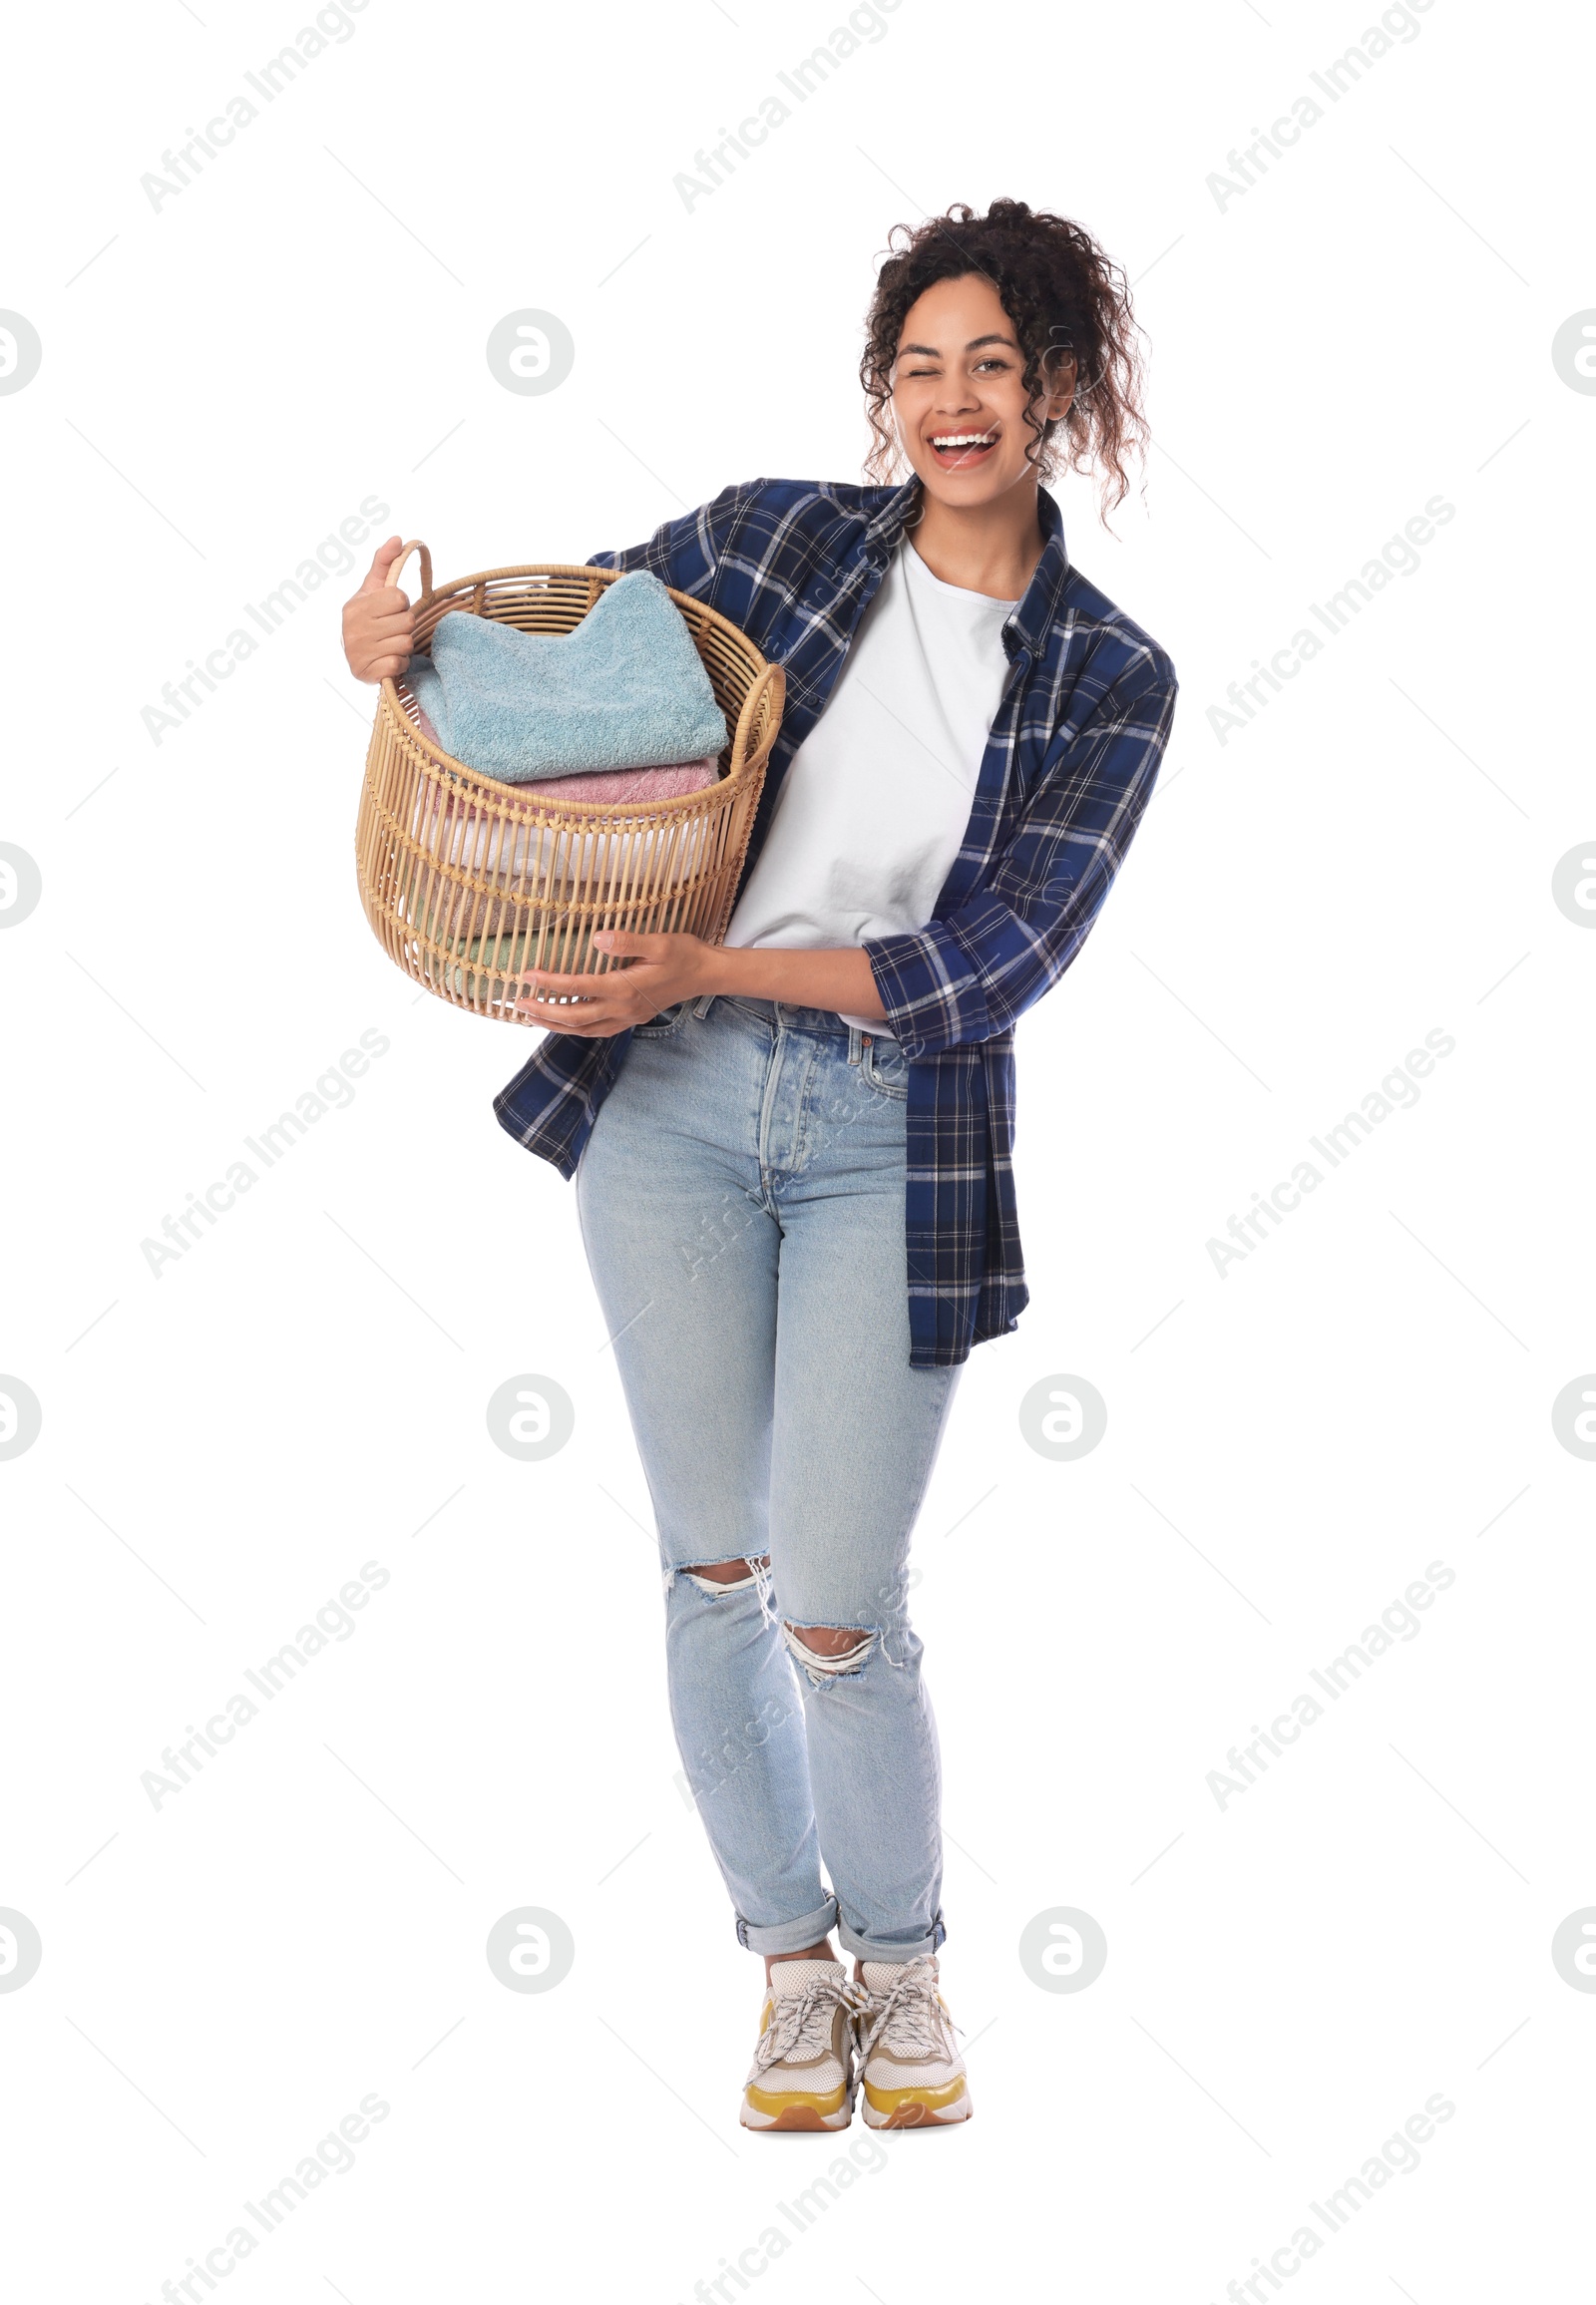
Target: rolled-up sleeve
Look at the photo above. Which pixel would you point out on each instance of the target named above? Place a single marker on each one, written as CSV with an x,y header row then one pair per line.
x,y
971,977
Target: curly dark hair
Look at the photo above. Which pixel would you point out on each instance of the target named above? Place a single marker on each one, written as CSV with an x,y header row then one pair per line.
x,y
1063,295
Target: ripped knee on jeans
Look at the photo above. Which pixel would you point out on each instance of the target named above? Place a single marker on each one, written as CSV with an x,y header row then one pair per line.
x,y
732,1576
825,1650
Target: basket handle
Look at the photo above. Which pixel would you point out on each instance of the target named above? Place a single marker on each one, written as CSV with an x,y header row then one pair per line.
x,y
415,545
768,688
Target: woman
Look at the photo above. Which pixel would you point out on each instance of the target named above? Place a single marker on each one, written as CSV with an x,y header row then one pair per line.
x,y
792,1151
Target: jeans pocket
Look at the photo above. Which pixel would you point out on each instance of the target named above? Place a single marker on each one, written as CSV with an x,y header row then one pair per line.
x,y
885,1066
661,1027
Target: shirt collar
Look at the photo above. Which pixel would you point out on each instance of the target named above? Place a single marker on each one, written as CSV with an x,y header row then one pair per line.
x,y
1043,596
1041,602
885,531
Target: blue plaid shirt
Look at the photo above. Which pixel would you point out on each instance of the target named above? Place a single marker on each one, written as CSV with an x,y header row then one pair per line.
x,y
1068,768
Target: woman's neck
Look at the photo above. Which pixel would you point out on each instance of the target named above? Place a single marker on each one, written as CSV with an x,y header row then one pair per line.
x,y
991,548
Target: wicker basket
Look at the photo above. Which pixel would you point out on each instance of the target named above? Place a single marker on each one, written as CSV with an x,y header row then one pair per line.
x,y
468,883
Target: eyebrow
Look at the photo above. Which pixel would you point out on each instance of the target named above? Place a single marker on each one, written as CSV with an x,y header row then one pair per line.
x,y
973,345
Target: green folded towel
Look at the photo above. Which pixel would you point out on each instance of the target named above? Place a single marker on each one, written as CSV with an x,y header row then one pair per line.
x,y
495,963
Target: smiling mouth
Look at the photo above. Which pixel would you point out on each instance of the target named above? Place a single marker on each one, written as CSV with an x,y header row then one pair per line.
x,y
959,451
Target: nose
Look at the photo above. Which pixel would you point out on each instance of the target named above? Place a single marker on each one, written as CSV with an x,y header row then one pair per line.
x,y
958,397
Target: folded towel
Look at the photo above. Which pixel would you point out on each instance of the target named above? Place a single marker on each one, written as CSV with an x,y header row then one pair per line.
x,y
610,854
625,689
504,961
613,785
632,784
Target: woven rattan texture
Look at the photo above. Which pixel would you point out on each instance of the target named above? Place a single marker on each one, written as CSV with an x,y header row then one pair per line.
x,y
468,883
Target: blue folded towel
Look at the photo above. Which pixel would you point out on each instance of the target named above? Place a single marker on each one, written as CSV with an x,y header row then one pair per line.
x,y
625,689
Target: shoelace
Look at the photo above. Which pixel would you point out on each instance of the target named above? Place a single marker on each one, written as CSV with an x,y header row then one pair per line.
x,y
802,2020
916,2018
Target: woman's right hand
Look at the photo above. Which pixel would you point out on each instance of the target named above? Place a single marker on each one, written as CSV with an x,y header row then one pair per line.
x,y
379,627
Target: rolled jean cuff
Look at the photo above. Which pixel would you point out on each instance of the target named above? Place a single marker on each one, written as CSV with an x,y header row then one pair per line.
x,y
789,1936
863,1949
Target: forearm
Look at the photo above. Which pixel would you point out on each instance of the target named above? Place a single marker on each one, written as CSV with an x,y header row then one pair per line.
x,y
656,971
838,979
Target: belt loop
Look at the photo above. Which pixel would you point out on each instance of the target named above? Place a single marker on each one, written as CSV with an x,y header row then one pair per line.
x,y
702,1005
855,1043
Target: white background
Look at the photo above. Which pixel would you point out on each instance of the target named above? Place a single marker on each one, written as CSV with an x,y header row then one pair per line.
x,y
1288,1978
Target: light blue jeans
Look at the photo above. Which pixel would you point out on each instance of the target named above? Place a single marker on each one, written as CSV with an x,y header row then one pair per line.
x,y
742,1205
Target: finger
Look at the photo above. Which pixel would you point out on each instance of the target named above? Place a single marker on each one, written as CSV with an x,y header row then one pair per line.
x,y
571,1017
382,560
376,612
576,988
625,944
385,668
579,1015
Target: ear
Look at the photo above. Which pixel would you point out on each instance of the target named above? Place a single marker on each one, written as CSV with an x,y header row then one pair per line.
x,y
1062,396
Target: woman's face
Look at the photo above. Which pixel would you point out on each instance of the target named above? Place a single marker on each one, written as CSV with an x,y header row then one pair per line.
x,y
958,394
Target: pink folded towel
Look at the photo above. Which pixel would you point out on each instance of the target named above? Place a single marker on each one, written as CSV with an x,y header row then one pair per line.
x,y
623,784
615,785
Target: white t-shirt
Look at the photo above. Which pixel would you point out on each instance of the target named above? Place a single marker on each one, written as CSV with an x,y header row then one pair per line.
x,y
875,800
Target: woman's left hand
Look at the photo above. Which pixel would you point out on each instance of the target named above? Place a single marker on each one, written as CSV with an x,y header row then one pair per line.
x,y
660,972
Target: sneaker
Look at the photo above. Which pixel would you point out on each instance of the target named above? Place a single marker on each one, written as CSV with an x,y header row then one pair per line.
x,y
803,2068
913,2076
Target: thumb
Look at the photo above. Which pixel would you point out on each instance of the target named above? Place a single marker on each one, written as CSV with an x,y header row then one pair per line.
x,y
376,577
621,942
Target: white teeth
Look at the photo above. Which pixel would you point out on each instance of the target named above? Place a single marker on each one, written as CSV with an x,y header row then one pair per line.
x,y
961,440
